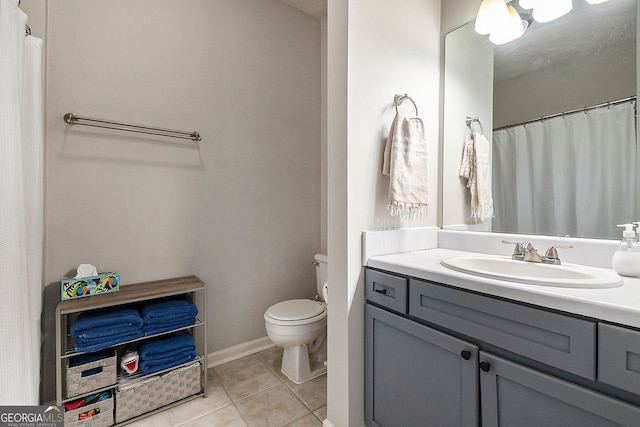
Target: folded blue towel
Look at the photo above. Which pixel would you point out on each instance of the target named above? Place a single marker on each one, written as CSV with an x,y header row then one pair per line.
x,y
91,345
149,367
137,332
170,355
177,355
159,347
178,317
108,334
93,323
169,307
158,328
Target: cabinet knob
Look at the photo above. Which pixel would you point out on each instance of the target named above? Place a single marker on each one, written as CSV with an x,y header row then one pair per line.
x,y
485,366
466,355
381,291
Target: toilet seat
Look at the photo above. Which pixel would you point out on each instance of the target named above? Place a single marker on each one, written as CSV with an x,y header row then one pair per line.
x,y
296,312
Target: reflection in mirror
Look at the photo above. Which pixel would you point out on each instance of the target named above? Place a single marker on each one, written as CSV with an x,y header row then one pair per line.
x,y
575,171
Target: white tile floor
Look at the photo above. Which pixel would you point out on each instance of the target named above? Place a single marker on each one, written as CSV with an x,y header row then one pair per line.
x,y
250,391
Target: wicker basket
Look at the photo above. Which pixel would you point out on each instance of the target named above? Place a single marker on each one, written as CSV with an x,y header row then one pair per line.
x,y
77,384
154,392
103,419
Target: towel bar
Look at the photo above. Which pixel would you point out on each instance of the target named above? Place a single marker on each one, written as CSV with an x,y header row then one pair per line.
x,y
74,119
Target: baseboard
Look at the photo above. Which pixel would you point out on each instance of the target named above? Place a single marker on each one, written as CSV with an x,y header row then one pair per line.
x,y
327,423
237,351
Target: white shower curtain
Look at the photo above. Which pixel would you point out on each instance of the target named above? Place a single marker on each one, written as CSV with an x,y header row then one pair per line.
x,y
21,208
572,175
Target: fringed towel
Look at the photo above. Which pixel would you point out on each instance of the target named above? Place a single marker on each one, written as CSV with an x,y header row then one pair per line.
x,y
406,161
476,168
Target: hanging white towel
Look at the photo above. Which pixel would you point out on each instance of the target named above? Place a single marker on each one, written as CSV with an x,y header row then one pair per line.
x,y
476,168
406,161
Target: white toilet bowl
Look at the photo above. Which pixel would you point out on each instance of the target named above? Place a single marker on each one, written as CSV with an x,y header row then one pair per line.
x,y
300,327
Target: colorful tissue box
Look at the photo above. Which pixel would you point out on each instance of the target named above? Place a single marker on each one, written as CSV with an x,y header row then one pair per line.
x,y
88,286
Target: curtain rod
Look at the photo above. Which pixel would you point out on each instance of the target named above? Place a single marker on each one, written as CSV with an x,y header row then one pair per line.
x,y
74,119
565,113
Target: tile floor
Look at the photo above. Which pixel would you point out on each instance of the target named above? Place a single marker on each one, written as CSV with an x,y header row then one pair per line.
x,y
250,391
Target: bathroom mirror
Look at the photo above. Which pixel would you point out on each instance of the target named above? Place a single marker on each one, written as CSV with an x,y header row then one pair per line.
x,y
585,58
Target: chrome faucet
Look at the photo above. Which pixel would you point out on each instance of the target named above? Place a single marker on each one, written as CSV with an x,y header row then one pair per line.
x,y
526,252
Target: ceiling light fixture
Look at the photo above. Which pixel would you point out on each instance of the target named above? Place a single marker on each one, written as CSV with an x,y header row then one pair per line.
x,y
492,14
528,4
548,10
512,30
596,1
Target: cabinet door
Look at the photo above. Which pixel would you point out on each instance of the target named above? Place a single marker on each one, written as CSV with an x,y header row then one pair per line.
x,y
513,395
416,376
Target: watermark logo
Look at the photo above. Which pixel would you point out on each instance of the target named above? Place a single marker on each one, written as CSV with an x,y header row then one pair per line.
x,y
31,416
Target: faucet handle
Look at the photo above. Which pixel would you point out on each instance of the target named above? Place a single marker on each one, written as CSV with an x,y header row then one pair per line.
x,y
517,250
553,254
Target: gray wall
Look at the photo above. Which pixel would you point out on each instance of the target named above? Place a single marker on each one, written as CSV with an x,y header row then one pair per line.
x,y
564,87
242,210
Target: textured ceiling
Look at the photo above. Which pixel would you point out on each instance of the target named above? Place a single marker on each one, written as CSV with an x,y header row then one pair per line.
x,y
317,8
586,31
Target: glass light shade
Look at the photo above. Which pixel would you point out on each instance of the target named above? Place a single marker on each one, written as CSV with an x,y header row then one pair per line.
x,y
491,15
529,4
596,1
548,10
510,31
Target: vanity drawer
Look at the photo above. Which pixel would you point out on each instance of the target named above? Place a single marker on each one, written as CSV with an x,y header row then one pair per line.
x,y
386,290
564,342
619,357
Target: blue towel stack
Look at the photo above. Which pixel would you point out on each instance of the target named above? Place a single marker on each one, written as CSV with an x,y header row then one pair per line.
x,y
158,354
99,329
169,313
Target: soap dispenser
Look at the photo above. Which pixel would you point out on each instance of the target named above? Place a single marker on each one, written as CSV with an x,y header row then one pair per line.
x,y
626,260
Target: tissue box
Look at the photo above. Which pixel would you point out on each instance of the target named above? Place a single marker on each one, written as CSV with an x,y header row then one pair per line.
x,y
88,286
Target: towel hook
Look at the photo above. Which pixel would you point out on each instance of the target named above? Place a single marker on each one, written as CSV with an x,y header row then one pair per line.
x,y
399,99
470,121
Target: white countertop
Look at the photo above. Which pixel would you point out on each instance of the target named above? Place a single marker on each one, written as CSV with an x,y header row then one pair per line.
x,y
619,305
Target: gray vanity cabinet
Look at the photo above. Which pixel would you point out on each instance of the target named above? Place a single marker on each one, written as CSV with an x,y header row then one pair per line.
x,y
417,376
514,395
437,355
557,340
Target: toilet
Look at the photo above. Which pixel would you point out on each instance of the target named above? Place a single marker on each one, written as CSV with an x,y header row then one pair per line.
x,y
300,327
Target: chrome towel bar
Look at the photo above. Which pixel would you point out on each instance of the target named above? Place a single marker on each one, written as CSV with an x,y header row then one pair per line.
x,y
74,119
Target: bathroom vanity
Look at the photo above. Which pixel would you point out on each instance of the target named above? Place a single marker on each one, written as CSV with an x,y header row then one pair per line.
x,y
444,348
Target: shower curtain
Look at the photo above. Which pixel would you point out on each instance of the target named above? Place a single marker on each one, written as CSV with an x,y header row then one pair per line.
x,y
572,175
21,207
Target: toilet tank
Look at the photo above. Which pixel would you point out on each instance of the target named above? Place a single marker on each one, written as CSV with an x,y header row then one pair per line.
x,y
321,272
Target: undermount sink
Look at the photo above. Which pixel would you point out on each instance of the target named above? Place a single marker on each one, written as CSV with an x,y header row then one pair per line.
x,y
505,268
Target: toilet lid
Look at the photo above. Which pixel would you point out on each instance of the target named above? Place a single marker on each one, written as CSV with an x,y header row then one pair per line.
x,y
295,309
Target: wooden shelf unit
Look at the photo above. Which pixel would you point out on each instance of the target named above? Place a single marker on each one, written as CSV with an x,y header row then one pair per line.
x,y
126,295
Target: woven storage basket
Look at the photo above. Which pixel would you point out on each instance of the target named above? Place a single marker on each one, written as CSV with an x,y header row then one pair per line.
x,y
77,384
154,393
103,419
